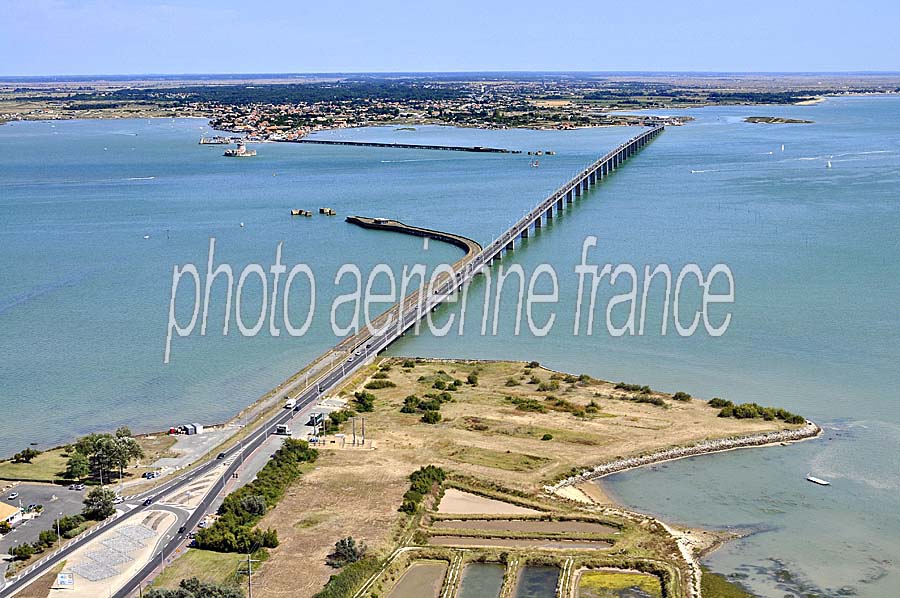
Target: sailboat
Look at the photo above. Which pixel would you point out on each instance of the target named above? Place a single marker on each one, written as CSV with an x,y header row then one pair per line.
x,y
782,147
828,165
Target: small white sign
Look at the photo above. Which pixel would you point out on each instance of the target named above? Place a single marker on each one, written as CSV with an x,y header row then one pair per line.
x,y
65,580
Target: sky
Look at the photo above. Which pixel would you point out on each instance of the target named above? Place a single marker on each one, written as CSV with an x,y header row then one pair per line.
x,y
86,37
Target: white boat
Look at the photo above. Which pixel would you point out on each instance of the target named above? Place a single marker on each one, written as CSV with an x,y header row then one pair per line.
x,y
819,481
782,147
828,165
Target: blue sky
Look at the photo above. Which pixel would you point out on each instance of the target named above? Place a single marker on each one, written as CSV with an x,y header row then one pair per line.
x,y
46,37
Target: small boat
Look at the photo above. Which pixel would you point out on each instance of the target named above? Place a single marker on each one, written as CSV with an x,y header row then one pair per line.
x,y
828,165
782,147
295,212
819,481
242,225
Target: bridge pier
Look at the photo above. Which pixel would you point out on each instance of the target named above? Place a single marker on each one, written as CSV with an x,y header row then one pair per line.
x,y
559,204
577,189
524,234
549,213
569,198
537,223
584,184
510,246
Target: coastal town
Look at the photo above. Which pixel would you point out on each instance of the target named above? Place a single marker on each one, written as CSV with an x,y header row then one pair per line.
x,y
285,110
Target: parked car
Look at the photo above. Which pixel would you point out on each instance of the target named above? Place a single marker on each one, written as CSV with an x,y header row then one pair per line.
x,y
13,496
182,529
148,502
220,456
118,500
79,487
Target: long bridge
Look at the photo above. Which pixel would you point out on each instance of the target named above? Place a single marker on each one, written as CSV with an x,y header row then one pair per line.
x,y
359,349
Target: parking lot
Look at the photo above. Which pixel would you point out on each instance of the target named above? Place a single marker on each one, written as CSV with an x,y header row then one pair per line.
x,y
55,499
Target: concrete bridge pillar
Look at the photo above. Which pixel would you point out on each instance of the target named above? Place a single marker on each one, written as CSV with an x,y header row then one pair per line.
x,y
537,223
511,245
549,213
559,204
584,184
591,177
569,198
524,234
577,189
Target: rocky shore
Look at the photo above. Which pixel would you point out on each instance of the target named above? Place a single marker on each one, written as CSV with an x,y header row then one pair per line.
x,y
707,446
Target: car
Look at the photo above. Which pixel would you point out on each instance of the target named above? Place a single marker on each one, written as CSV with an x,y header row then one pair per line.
x,y
220,456
79,487
182,529
349,359
118,500
32,507
13,496
359,351
148,502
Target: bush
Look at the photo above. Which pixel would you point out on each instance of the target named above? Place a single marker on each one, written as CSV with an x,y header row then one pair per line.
x,y
472,379
410,404
350,579
346,551
380,376
527,404
364,401
532,364
379,384
681,396
512,382
439,385
431,417
633,388
547,437
194,588
719,403
548,386
408,364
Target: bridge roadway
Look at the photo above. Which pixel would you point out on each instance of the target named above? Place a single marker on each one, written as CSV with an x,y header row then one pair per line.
x,y
408,313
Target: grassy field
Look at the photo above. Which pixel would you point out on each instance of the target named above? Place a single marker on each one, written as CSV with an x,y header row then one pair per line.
x,y
46,467
50,465
205,565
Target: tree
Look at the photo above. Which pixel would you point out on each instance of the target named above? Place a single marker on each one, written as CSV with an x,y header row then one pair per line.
x,y
21,552
98,504
346,551
77,467
26,455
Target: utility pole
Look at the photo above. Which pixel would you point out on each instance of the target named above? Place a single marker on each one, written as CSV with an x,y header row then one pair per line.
x,y
250,562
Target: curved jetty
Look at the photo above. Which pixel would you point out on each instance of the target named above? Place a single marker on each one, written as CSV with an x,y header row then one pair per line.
x,y
466,244
701,448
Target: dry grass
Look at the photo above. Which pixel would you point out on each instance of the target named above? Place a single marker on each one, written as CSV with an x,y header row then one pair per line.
x,y
484,434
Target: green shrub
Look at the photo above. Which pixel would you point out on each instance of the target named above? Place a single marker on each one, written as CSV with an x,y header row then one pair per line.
x,y
681,396
379,384
431,417
547,437
512,382
364,401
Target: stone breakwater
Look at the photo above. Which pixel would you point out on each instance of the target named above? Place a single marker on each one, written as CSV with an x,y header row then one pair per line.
x,y
701,448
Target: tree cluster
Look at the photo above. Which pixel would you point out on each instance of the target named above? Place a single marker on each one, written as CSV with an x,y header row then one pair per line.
x,y
234,530
99,455
422,481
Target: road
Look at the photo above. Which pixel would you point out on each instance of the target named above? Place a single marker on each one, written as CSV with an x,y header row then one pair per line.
x,y
362,348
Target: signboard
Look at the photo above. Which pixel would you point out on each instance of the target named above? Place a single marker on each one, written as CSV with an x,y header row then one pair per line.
x,y
65,580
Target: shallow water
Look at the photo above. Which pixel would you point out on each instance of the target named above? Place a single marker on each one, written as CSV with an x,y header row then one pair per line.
x,y
537,582
481,580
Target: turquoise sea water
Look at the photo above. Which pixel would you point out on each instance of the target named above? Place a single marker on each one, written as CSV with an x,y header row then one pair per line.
x,y
815,329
